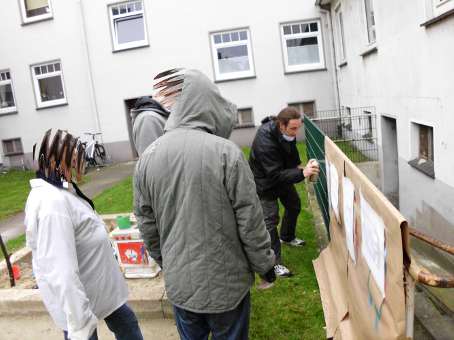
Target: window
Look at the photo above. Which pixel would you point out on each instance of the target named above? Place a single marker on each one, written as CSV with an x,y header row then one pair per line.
x,y
423,149
232,54
340,34
35,10
302,46
245,118
49,85
368,124
305,108
442,6
128,25
370,21
7,102
12,147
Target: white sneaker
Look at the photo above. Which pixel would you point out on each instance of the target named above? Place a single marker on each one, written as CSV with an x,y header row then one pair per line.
x,y
296,242
281,270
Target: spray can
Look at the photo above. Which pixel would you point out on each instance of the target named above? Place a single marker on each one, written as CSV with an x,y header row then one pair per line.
x,y
314,177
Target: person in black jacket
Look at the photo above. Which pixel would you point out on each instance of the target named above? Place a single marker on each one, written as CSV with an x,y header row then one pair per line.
x,y
276,165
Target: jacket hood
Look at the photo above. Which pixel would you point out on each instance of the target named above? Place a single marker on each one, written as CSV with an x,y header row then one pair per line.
x,y
147,104
201,106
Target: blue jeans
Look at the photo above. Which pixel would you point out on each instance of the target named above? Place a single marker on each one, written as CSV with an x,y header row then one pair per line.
x,y
231,325
123,323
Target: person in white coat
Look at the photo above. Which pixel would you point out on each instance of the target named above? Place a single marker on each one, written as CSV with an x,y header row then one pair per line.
x,y
77,275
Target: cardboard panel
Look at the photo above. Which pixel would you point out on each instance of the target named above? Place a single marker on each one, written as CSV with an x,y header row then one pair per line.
x,y
370,314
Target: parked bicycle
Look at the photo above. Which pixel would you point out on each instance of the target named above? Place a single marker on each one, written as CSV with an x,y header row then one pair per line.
x,y
95,153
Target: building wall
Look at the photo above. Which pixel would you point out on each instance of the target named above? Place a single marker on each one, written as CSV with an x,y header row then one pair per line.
x,y
98,80
407,78
178,34
23,45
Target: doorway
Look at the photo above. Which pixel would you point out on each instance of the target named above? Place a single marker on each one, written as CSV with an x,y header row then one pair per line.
x,y
390,160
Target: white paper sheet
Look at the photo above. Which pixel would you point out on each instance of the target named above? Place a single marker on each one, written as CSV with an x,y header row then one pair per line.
x,y
334,189
373,243
349,221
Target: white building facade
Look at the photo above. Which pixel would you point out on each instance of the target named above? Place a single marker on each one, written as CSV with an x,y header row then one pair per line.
x,y
398,57
79,65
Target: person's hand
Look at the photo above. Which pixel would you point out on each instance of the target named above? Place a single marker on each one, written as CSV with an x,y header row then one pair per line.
x,y
311,168
270,276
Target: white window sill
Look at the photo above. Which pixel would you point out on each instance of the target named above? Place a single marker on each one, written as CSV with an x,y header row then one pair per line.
x,y
437,18
8,111
311,69
52,104
342,64
233,78
38,18
130,47
369,50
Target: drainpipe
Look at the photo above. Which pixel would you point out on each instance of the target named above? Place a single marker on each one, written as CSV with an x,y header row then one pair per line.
x,y
327,10
90,71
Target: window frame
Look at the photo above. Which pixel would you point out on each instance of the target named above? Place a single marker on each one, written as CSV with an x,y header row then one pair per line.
x,y
300,107
339,15
240,124
319,35
218,77
56,102
15,152
11,109
37,18
116,47
366,23
426,165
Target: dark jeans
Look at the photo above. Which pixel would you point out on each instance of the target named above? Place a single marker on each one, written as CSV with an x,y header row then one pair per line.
x,y
123,323
292,204
231,325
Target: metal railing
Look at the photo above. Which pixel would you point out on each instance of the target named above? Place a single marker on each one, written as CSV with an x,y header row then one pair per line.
x,y
325,123
354,130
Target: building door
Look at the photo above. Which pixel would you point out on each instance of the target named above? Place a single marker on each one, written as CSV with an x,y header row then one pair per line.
x,y
129,104
390,160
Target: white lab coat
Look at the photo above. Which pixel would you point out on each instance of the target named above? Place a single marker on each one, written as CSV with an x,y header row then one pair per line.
x,y
73,262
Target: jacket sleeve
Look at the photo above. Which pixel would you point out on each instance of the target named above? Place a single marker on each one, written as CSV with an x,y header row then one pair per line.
x,y
57,257
146,129
268,157
249,217
146,219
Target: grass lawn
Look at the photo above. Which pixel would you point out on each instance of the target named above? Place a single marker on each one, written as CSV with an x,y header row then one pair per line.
x,y
292,308
352,152
13,245
14,189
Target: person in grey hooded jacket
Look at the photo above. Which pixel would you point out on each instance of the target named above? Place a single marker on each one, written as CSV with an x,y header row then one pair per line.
x,y
199,214
148,120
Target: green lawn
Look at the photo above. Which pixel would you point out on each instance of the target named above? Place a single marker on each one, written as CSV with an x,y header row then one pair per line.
x,y
14,189
292,308
117,199
13,245
352,152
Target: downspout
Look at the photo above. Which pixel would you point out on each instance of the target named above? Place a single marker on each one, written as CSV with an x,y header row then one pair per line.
x,y
90,72
327,10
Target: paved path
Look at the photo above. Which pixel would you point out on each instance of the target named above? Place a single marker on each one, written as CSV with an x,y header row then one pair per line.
x,y
100,180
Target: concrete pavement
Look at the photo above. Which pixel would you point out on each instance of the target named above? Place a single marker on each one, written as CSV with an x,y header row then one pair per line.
x,y
100,180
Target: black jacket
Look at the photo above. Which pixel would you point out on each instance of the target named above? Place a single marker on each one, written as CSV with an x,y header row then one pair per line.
x,y
273,160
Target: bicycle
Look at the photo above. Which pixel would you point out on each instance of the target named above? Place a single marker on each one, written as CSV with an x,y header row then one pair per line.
x,y
95,153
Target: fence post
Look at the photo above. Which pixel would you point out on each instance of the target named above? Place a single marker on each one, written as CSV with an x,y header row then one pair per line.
x,y
315,145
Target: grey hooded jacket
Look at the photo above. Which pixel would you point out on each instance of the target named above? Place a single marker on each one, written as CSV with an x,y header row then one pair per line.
x,y
148,121
197,207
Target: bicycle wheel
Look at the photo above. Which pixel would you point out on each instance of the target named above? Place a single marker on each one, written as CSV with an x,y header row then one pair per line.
x,y
100,155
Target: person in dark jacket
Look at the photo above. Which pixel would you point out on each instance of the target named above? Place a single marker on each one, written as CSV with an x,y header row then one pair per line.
x,y
148,120
276,165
